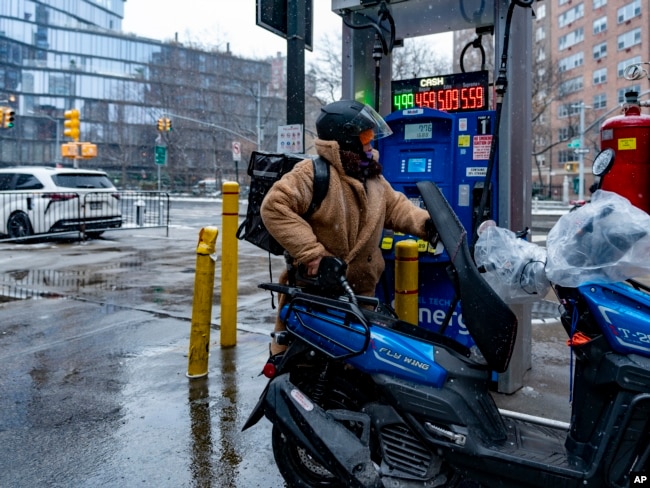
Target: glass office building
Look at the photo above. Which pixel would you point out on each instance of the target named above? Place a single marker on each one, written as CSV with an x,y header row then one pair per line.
x,y
56,55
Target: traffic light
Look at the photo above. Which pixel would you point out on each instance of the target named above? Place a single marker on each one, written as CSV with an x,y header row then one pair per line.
x,y
571,167
164,124
7,117
71,124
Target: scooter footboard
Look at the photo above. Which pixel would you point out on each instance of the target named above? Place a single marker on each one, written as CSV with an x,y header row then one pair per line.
x,y
321,434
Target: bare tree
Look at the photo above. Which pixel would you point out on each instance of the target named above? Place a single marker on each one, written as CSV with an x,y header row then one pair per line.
x,y
415,59
545,81
551,140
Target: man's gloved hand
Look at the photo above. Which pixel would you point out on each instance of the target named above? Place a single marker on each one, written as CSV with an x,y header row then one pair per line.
x,y
432,232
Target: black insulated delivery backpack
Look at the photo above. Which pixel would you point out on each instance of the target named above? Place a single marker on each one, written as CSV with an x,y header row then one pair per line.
x,y
265,169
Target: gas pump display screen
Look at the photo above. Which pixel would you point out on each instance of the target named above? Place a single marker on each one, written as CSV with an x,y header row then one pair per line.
x,y
418,131
416,165
460,92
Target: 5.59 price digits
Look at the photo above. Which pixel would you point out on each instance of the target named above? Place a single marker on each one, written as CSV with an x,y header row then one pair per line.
x,y
447,100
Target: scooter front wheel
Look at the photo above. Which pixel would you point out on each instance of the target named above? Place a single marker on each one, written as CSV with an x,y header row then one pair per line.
x,y
298,468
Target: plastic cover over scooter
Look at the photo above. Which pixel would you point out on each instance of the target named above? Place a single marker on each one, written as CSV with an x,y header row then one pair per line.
x,y
606,240
512,266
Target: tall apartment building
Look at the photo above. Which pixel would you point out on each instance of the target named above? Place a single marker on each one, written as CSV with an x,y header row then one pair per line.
x,y
61,54
583,49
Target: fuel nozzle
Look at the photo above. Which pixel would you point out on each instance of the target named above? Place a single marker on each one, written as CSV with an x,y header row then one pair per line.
x,y
331,273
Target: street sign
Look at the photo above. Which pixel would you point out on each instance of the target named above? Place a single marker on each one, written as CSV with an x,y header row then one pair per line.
x,y
70,150
581,151
160,155
574,144
290,138
88,150
236,151
76,150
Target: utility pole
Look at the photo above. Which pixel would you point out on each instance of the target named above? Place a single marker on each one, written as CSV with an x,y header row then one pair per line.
x,y
260,129
581,158
296,18
581,151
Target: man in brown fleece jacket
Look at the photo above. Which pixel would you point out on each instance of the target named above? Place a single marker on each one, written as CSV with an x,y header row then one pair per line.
x,y
359,203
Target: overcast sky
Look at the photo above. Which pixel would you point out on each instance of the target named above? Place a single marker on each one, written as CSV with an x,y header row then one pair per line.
x,y
217,22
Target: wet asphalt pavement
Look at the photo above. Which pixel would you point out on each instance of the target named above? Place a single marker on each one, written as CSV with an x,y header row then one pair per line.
x,y
93,352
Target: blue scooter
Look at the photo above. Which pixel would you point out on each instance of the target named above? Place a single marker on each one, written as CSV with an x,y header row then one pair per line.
x,y
362,399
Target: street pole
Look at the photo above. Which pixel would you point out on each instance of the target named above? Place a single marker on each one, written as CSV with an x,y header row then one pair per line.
x,y
157,143
581,156
208,124
296,25
58,141
258,102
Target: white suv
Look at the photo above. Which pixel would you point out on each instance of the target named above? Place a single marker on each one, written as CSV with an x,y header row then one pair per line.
x,y
39,200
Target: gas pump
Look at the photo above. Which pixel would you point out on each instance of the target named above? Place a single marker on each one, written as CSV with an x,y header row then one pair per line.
x,y
629,136
451,149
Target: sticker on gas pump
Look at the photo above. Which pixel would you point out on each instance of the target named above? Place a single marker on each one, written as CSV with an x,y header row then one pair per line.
x,y
476,171
482,147
464,141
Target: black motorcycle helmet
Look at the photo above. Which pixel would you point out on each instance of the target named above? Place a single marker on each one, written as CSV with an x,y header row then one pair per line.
x,y
345,120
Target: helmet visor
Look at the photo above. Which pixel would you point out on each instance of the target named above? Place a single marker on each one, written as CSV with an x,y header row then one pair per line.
x,y
370,119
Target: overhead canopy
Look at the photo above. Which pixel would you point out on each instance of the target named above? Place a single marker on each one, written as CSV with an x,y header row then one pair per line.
x,y
414,18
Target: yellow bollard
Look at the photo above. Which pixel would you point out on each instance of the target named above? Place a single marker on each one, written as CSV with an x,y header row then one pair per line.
x,y
406,280
230,245
202,304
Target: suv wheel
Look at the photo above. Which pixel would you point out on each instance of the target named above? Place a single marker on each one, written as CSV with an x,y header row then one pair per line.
x,y
19,225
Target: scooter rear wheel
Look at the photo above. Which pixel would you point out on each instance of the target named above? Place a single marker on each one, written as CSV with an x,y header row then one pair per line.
x,y
298,468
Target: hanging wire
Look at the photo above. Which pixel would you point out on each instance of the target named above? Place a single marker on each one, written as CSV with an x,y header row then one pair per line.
x,y
476,44
383,15
382,46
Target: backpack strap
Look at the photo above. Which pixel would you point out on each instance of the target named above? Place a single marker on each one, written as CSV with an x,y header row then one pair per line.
x,y
321,184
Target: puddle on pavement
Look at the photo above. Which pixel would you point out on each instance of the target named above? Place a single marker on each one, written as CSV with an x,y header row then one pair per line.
x,y
43,283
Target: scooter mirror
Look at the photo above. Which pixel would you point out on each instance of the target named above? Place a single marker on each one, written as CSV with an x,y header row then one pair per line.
x,y
603,162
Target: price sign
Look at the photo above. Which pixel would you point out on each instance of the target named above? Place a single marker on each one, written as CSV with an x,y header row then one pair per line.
x,y
461,92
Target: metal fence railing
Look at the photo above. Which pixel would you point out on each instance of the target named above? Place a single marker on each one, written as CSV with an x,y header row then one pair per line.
x,y
145,209
32,214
